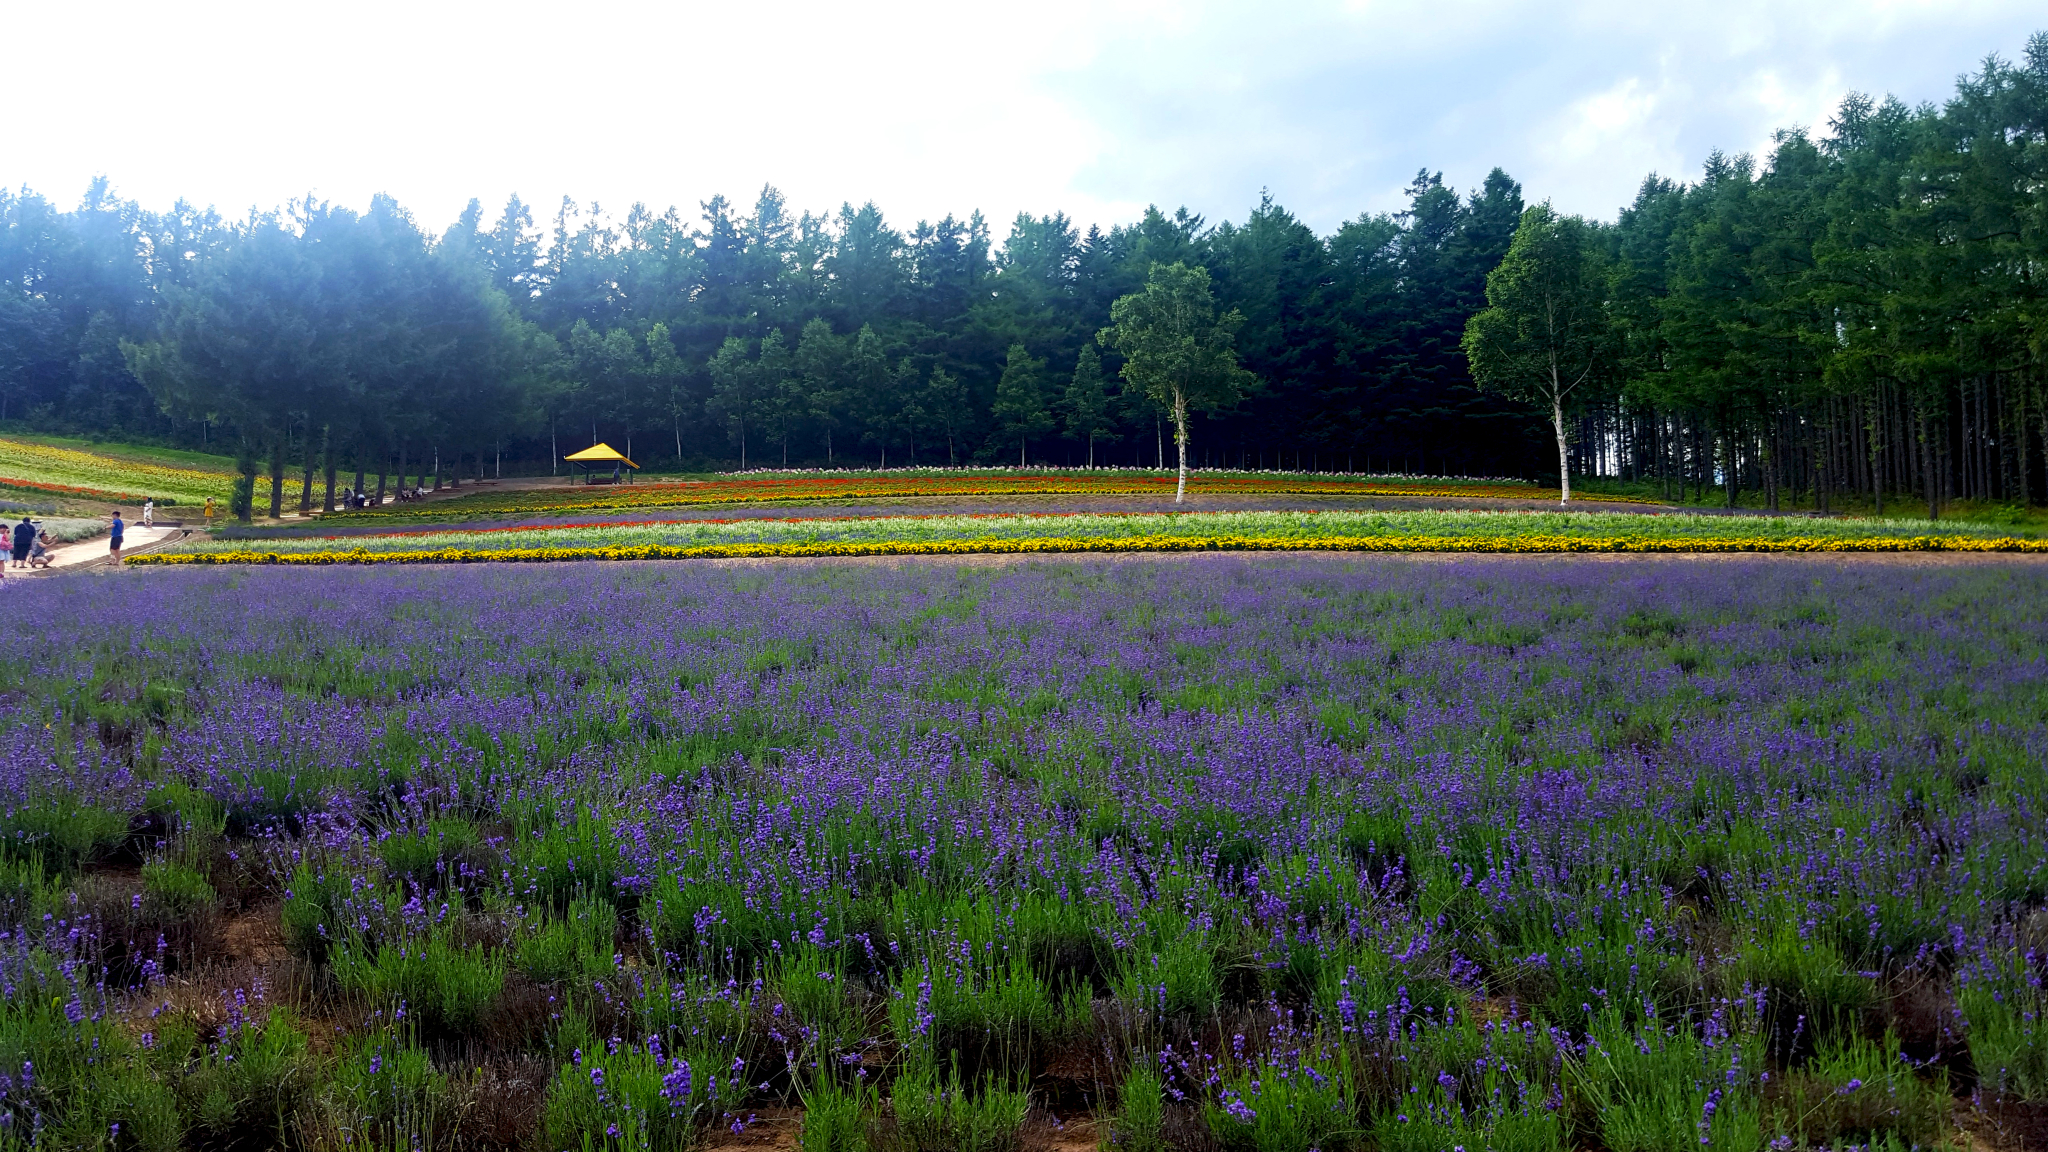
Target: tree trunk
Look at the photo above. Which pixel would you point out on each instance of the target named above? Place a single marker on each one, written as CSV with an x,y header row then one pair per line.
x,y
1564,452
382,462
1180,443
327,466
277,477
306,474
1927,470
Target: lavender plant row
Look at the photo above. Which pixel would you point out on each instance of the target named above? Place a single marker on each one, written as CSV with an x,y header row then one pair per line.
x,y
1225,852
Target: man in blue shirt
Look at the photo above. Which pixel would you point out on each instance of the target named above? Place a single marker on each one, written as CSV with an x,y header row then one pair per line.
x,y
114,541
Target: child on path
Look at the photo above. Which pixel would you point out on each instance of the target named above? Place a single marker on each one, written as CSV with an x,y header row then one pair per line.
x,y
114,541
149,513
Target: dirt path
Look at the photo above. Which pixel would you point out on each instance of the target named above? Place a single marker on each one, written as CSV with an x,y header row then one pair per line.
x,y
91,552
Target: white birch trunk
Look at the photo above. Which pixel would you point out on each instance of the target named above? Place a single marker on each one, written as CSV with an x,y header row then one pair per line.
x,y
1180,441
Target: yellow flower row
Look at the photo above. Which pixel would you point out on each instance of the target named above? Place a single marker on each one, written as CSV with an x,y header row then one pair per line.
x,y
1053,544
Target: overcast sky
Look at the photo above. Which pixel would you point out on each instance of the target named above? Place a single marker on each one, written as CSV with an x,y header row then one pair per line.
x,y
1094,108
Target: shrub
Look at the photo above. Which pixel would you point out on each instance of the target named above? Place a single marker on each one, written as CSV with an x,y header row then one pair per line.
x,y
61,831
1812,993
630,1096
1858,1092
936,1116
1178,980
1653,1088
1140,1121
1293,1099
243,1090
442,987
2007,1013
836,1116
579,944
436,856
176,888
68,1073
384,1092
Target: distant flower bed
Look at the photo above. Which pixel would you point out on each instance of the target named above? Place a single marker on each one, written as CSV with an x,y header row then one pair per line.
x,y
792,488
995,545
1282,528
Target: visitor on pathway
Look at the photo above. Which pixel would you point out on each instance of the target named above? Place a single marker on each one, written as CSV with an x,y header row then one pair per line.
x,y
114,541
149,513
39,552
209,511
24,536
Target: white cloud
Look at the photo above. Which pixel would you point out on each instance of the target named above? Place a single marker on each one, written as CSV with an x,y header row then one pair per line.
x,y
928,108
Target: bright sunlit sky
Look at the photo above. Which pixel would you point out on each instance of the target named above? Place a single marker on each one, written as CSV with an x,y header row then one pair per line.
x,y
1096,109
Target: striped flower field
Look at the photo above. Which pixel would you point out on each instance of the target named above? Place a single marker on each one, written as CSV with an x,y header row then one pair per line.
x,y
785,488
1418,531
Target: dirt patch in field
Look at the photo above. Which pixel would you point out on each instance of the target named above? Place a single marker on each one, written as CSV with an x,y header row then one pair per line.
x,y
254,938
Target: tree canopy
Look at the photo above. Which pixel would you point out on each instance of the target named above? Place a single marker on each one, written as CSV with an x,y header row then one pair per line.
x,y
1856,312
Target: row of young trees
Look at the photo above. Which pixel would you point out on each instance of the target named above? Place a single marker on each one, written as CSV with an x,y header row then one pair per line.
x,y
1863,314
1858,315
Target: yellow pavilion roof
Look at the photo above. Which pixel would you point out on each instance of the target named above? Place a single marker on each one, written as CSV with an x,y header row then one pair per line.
x,y
600,454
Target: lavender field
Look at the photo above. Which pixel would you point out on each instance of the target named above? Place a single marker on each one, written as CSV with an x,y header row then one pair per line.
x,y
1200,853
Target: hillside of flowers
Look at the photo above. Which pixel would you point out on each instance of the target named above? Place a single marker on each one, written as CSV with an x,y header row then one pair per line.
x,y
1208,852
812,487
31,469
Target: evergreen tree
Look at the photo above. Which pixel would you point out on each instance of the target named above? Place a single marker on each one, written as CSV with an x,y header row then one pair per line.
x,y
1086,403
1020,410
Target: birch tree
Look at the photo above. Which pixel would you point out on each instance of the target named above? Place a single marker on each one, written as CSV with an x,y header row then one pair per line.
x,y
1177,351
1545,336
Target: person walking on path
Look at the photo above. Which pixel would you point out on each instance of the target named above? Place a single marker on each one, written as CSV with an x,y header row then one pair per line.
x,y
114,540
149,513
24,537
209,512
